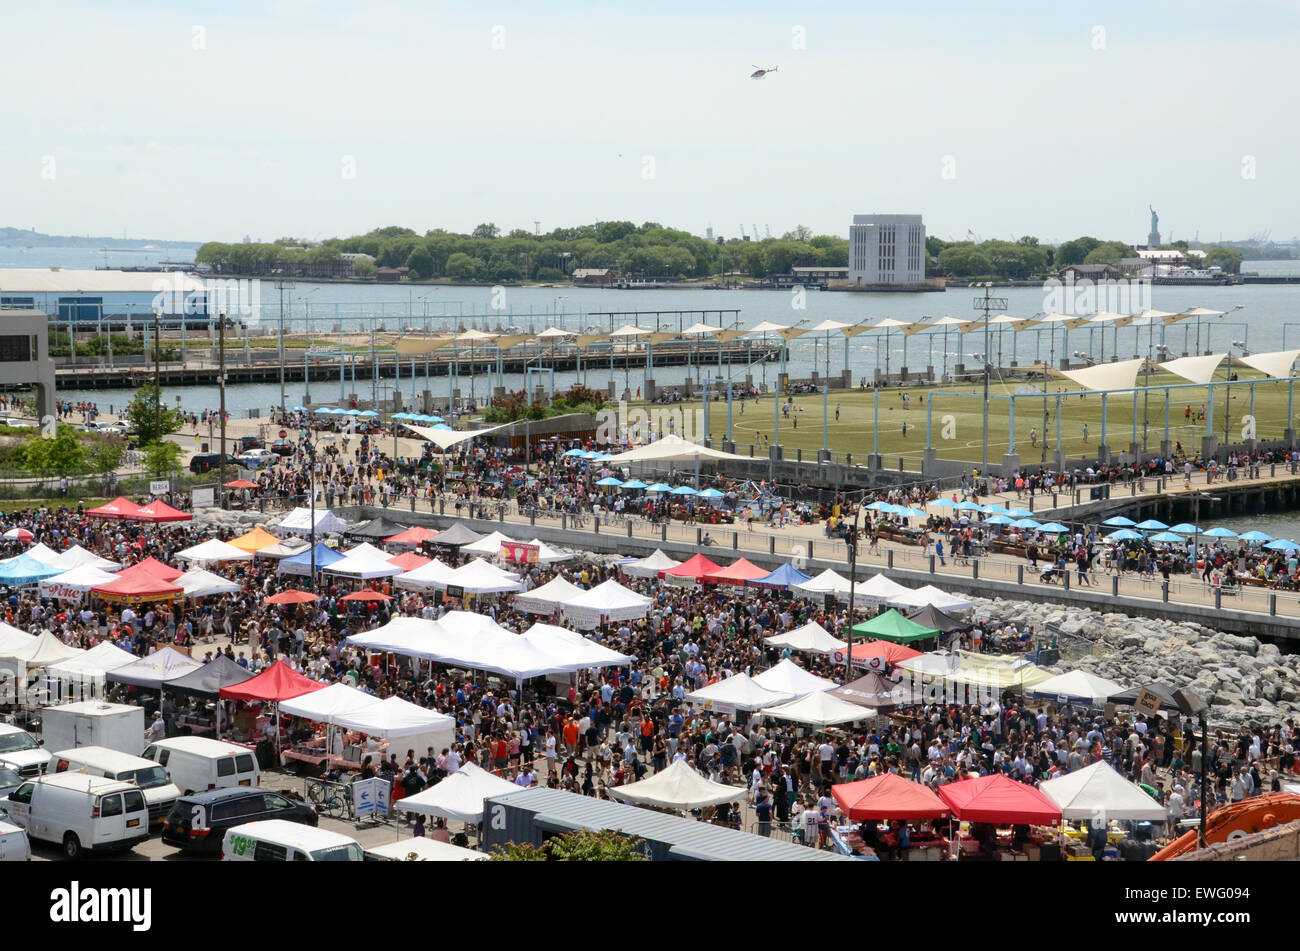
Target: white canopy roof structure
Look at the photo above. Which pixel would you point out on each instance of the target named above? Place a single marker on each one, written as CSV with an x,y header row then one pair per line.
x,y
42,651
547,555
479,577
812,637
76,557
328,704
425,850
364,561
878,588
572,648
12,639
1098,792
819,710
547,598
630,330
300,521
489,546
199,583
828,582
789,677
930,595
608,600
1077,685
649,566
287,548
394,718
73,584
1106,376
446,438
738,693
213,551
93,663
829,325
678,787
156,669
1194,369
430,575
43,553
1276,364
670,448
460,796
696,330
555,333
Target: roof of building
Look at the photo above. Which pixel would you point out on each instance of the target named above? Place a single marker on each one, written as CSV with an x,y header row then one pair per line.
x,y
60,281
590,272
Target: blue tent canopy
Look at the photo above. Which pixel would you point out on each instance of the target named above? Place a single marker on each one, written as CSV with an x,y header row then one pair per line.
x,y
300,564
783,577
24,569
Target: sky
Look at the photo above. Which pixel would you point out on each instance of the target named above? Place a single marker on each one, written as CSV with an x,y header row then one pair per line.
x,y
314,119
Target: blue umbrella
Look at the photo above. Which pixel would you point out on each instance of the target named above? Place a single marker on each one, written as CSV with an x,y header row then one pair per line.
x,y
435,419
634,484
351,412
1167,537
940,503
443,426
881,507
575,452
400,416
995,510
684,490
1119,521
659,487
611,481
324,409
710,494
1000,520
1124,535
966,506
1020,513
1151,525
1220,532
1055,527
297,409
368,412
1283,544
1184,528
911,513
1028,523
1256,537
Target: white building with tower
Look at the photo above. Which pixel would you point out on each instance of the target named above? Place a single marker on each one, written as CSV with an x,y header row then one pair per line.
x,y
886,249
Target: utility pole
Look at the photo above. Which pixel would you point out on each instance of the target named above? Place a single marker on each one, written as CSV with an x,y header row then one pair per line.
x,y
853,582
221,380
283,285
157,371
987,304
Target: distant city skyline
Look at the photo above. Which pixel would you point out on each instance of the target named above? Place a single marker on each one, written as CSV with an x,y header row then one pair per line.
x,y
321,119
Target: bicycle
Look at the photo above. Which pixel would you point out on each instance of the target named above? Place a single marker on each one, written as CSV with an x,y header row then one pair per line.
x,y
329,797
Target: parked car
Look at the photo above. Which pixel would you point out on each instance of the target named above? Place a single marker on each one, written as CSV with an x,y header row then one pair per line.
x,y
273,841
283,447
80,812
17,423
21,752
246,443
106,427
256,458
9,780
199,822
207,461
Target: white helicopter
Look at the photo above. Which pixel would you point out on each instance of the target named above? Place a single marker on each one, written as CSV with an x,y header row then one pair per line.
x,y
759,72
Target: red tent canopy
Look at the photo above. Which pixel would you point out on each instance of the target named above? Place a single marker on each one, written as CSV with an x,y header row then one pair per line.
x,y
138,587
888,796
292,596
737,573
410,561
695,567
160,511
412,536
120,507
153,568
874,655
277,682
995,798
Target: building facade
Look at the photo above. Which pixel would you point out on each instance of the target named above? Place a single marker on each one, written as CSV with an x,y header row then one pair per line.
x,y
887,249
25,356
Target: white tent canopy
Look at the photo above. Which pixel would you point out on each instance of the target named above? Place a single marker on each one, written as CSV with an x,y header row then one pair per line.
x,y
547,555
299,521
43,650
812,638
154,670
432,574
213,551
608,600
828,582
77,557
394,718
479,577
579,651
1077,685
669,448
95,662
328,704
12,639
489,546
364,561
1194,369
789,677
199,583
446,438
425,850
72,585
1098,791
649,566
678,787
1276,364
930,595
43,553
737,693
819,710
1106,376
879,589
460,796
547,598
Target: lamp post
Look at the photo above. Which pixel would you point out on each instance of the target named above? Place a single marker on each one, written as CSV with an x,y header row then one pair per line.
x,y
853,581
1190,704
987,304
309,450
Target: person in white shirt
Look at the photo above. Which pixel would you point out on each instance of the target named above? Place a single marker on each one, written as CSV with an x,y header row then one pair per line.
x,y
453,761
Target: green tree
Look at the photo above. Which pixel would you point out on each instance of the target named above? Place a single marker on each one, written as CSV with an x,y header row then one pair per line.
x,y
1226,258
583,845
964,260
149,416
162,457
420,261
1074,252
487,230
60,454
1111,252
462,267
106,455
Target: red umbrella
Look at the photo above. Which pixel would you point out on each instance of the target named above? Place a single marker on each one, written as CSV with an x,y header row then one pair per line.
x,y
22,534
366,596
292,596
241,484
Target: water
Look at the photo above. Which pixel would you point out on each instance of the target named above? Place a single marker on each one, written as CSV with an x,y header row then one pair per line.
x,y
90,258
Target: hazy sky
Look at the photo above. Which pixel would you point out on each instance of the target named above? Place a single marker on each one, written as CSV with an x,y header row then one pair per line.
x,y
315,118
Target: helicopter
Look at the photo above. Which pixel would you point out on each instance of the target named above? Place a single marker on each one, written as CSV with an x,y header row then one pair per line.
x,y
759,72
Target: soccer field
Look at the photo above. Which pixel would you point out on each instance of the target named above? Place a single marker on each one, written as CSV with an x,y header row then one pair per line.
x,y
958,425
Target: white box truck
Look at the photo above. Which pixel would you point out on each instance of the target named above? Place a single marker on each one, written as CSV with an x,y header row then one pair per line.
x,y
113,726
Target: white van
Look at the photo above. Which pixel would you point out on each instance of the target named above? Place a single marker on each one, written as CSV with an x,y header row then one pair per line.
x,y
20,751
14,846
275,840
159,791
197,764
80,812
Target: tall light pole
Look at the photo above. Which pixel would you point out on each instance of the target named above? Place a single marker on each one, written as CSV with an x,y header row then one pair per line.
x,y
987,304
221,380
282,285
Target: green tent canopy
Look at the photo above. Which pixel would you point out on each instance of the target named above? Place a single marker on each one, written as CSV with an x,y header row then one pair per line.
x,y
893,626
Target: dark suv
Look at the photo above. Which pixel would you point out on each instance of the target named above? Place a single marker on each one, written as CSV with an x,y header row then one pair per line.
x,y
198,822
207,461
